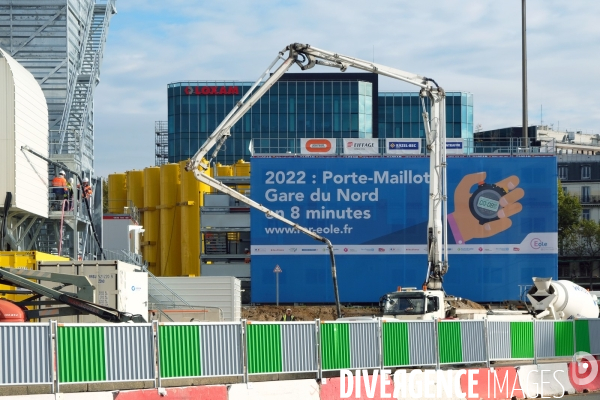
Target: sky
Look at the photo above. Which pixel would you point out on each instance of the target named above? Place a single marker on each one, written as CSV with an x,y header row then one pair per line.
x,y
465,45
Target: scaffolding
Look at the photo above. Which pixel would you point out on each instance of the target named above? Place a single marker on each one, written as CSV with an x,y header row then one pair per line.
x,y
61,43
161,147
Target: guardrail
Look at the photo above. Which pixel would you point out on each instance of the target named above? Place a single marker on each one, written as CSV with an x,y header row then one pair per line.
x,y
62,354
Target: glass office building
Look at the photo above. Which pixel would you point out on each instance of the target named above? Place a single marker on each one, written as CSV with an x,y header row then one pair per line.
x,y
309,105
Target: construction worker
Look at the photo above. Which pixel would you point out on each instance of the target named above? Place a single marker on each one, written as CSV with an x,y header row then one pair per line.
x,y
288,316
70,193
86,189
59,188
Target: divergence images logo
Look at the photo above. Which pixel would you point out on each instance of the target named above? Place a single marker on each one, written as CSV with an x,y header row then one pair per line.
x,y
537,244
586,369
381,250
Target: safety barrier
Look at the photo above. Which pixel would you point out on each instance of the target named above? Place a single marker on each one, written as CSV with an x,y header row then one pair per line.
x,y
587,333
85,353
188,350
103,352
510,340
274,347
409,343
25,354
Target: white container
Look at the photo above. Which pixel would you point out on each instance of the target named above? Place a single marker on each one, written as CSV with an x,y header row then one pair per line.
x,y
223,292
23,122
118,285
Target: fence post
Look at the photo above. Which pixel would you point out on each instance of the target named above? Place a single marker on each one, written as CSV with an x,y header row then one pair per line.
x,y
485,342
574,337
436,344
380,338
156,352
53,356
318,344
157,340
244,340
534,343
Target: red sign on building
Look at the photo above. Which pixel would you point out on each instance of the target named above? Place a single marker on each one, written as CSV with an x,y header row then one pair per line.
x,y
211,90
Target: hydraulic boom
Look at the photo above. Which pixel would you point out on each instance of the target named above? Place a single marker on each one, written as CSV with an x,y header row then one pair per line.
x,y
306,57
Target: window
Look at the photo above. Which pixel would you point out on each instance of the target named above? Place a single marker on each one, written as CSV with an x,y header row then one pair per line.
x,y
563,172
585,194
585,214
586,172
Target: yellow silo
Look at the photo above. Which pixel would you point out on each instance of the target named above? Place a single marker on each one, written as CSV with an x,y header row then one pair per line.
x,y
204,188
117,193
242,168
170,217
151,244
190,222
135,191
224,170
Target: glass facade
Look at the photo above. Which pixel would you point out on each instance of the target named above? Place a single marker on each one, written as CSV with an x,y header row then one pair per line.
x,y
339,105
400,115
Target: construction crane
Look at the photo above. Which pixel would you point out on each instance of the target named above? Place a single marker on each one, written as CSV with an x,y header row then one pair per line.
x,y
306,57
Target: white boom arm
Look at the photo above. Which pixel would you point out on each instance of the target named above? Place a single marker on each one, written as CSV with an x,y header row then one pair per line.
x,y
307,57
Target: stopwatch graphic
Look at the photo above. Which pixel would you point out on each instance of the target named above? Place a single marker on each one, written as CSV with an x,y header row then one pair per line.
x,y
485,202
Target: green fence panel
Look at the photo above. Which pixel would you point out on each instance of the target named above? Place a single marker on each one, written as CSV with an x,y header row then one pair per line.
x,y
179,347
582,336
449,342
81,354
395,344
335,346
264,348
563,339
521,339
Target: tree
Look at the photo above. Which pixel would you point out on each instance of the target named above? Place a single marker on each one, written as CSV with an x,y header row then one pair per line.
x,y
104,196
569,214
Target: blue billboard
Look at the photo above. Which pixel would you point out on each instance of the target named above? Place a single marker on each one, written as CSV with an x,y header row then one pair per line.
x,y
502,226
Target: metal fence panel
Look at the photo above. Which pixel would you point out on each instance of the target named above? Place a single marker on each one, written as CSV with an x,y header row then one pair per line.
x,y
449,342
24,354
298,347
582,336
364,344
263,348
395,344
499,340
129,352
544,339
221,349
564,345
421,339
594,329
81,354
335,346
179,348
473,341
521,340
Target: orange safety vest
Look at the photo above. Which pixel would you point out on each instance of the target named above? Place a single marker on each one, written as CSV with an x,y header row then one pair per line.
x,y
59,181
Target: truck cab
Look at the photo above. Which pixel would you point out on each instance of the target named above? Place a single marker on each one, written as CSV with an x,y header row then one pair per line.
x,y
412,304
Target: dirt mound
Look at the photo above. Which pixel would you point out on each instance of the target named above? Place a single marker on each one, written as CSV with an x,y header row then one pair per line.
x,y
304,313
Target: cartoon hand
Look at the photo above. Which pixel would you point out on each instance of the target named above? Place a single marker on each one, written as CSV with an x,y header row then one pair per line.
x,y
465,226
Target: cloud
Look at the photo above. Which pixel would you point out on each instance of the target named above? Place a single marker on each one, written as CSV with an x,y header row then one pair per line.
x,y
471,46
